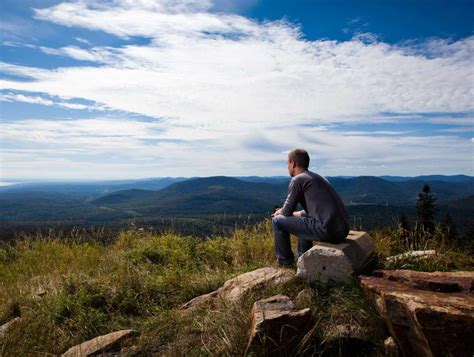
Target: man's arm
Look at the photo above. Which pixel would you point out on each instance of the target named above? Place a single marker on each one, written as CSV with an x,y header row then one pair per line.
x,y
294,196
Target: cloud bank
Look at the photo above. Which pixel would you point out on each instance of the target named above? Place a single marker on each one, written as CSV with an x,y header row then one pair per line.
x,y
225,86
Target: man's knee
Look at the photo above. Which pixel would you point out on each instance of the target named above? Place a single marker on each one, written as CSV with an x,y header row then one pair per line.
x,y
276,221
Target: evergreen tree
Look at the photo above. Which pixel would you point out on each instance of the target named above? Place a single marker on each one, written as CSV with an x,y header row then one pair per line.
x,y
425,208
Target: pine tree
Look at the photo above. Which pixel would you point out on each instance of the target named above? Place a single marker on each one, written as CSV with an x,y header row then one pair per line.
x,y
425,208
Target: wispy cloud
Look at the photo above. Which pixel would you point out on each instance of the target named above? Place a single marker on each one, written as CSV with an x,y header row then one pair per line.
x,y
244,87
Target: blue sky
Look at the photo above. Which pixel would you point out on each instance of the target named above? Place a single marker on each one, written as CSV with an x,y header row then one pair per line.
x,y
122,89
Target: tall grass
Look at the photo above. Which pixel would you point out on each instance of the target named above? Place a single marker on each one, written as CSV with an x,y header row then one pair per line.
x,y
70,289
395,240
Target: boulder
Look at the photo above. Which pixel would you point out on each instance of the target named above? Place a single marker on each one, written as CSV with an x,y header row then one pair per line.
x,y
237,287
337,262
424,319
106,343
276,327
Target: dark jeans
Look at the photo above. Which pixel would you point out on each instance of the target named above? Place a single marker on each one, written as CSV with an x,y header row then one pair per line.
x,y
284,226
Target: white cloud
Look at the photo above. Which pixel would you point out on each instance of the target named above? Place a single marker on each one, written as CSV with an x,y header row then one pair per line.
x,y
226,79
193,73
10,97
124,148
82,40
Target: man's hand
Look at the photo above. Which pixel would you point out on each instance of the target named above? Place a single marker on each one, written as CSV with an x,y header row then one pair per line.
x,y
297,213
276,213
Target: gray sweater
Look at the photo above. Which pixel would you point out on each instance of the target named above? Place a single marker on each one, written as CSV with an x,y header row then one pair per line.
x,y
324,211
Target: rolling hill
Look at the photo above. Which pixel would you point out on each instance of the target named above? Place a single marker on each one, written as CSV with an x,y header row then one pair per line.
x,y
373,200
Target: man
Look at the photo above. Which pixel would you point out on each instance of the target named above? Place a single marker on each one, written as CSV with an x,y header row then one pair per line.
x,y
324,217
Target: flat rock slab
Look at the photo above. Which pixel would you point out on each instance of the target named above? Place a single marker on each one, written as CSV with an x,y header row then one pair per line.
x,y
101,344
424,322
235,288
276,327
337,262
447,282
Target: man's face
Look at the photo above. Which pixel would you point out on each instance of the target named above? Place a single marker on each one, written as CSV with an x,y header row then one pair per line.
x,y
291,167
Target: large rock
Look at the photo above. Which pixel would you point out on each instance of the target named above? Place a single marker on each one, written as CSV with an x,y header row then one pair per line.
x,y
446,282
101,344
337,262
423,320
276,327
243,284
235,288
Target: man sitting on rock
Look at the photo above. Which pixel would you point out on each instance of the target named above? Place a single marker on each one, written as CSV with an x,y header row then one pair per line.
x,y
324,217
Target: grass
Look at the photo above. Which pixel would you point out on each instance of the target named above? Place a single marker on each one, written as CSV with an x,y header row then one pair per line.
x,y
70,289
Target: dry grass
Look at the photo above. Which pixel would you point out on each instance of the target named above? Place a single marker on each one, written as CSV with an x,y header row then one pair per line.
x,y
68,290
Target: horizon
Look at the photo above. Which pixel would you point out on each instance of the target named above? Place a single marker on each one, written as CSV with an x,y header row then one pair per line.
x,y
13,181
201,88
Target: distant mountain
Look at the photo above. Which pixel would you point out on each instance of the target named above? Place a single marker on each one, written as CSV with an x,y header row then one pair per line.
x,y
270,179
453,178
122,196
226,194
92,188
466,203
217,194
368,190
375,199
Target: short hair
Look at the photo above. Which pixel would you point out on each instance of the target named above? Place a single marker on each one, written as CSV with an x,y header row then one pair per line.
x,y
300,157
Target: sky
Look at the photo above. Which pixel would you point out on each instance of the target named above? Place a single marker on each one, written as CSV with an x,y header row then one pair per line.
x,y
122,89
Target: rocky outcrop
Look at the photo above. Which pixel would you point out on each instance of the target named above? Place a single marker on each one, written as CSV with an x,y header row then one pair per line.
x,y
446,282
276,327
106,343
237,287
427,314
337,262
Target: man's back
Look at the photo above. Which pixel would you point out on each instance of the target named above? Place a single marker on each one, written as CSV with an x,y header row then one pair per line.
x,y
322,204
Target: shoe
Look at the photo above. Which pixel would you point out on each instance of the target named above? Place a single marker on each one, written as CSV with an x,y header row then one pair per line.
x,y
286,266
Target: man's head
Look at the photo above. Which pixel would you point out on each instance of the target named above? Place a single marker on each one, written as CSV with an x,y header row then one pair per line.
x,y
298,161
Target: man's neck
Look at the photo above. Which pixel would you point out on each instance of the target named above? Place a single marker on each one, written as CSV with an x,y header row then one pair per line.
x,y
298,171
